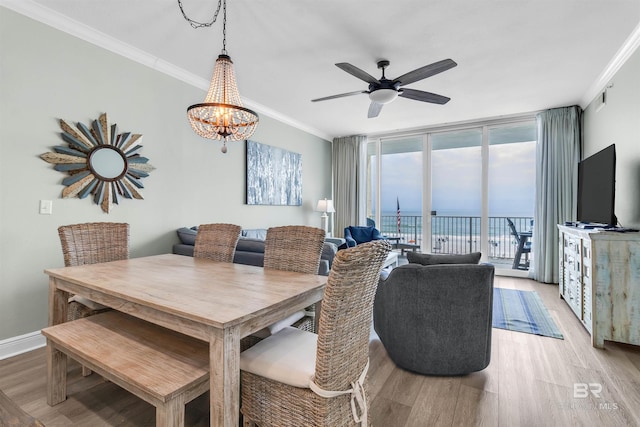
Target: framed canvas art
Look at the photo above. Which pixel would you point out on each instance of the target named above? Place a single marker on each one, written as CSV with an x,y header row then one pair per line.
x,y
274,175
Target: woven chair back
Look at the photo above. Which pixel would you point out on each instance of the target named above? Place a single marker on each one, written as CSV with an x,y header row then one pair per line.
x,y
346,315
217,242
294,248
94,242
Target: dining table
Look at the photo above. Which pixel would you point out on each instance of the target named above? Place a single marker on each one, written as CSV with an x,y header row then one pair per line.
x,y
216,302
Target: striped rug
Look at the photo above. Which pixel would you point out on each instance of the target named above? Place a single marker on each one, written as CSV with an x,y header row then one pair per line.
x,y
522,311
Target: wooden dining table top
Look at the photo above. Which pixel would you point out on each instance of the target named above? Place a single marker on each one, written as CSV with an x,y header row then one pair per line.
x,y
213,293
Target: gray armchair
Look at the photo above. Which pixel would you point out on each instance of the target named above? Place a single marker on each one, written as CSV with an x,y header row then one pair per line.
x,y
436,319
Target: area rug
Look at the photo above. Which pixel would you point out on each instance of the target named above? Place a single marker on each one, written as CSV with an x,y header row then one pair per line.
x,y
522,311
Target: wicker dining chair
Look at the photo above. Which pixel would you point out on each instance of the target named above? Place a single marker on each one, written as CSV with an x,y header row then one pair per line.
x,y
290,248
296,378
217,242
295,248
92,243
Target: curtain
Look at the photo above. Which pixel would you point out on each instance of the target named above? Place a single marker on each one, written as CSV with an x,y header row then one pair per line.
x,y
557,158
346,154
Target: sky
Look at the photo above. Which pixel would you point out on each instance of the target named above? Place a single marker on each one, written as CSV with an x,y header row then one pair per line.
x,y
457,180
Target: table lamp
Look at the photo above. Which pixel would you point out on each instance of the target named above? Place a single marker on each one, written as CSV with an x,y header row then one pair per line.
x,y
325,206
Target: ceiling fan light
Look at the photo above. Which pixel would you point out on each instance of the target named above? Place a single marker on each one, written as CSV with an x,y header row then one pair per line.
x,y
383,96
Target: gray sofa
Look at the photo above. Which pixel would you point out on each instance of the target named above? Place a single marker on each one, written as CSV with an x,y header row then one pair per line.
x,y
250,248
436,319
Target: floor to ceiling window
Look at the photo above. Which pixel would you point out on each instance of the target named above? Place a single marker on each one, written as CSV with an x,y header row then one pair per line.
x,y
511,193
457,190
400,167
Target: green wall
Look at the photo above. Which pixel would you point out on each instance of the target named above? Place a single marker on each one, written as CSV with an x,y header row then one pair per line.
x,y
47,75
618,122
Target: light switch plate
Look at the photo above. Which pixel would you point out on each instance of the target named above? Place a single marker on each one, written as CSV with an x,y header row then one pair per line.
x,y
46,207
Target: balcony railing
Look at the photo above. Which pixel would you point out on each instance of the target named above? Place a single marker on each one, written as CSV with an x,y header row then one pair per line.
x,y
457,234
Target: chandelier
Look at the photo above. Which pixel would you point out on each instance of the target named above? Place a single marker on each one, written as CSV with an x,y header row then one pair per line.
x,y
221,116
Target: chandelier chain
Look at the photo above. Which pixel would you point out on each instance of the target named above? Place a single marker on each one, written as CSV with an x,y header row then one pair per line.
x,y
224,26
196,24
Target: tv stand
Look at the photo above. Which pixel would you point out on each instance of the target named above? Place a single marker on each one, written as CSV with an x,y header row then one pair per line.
x,y
599,279
591,225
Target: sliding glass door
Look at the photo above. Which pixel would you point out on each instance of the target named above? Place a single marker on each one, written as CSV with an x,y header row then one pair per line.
x,y
395,201
511,194
457,191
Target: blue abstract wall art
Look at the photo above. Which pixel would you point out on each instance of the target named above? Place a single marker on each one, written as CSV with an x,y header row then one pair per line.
x,y
274,175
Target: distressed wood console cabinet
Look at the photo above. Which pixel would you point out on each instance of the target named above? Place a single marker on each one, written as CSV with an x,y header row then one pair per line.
x,y
600,280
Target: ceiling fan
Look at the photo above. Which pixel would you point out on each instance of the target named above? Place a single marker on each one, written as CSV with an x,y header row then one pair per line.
x,y
383,91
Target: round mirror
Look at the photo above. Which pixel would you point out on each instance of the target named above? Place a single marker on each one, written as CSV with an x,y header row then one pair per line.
x,y
107,163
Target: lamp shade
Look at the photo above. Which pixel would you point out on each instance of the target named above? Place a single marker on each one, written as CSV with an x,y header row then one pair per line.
x,y
325,205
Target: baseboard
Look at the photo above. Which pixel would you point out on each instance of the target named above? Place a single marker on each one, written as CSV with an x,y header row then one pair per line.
x,y
21,344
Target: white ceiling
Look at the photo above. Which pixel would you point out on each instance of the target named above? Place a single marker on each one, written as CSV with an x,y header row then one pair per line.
x,y
513,56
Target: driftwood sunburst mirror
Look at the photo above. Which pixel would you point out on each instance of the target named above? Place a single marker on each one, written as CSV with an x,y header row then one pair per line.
x,y
100,162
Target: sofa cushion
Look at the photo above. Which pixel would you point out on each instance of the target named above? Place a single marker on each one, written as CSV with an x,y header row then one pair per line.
x,y
432,259
182,249
250,245
249,258
329,251
254,233
187,235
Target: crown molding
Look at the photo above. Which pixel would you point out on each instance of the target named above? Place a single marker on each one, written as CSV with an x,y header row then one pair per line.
x,y
622,55
84,32
285,119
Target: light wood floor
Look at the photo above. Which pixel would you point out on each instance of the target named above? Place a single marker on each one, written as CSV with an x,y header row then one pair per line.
x,y
530,382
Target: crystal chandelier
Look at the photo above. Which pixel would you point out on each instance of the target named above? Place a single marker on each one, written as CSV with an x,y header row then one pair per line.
x,y
221,116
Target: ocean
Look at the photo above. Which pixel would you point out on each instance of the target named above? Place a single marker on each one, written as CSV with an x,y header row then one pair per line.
x,y
456,233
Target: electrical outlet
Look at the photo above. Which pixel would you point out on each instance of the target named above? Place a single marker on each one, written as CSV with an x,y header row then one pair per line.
x,y
46,207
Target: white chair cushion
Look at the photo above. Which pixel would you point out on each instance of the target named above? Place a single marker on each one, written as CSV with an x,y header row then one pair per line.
x,y
288,357
87,302
279,325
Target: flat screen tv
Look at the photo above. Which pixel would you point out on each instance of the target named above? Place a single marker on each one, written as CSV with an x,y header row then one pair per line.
x,y
597,187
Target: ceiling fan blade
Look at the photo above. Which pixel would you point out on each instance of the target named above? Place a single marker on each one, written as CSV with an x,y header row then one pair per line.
x,y
357,72
358,92
374,109
423,96
426,71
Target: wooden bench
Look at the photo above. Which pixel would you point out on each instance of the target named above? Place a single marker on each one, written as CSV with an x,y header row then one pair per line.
x,y
162,367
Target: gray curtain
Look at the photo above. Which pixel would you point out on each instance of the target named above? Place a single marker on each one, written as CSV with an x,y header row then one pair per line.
x,y
557,158
346,179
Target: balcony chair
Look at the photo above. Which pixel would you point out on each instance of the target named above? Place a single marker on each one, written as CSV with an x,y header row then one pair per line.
x,y
217,242
524,247
355,235
291,248
296,378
